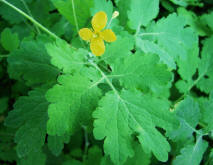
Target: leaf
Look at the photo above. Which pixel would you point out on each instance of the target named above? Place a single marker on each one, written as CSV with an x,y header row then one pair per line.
x,y
192,154
206,106
172,35
7,146
9,40
205,70
34,158
142,12
112,52
94,156
65,57
140,157
102,5
72,161
151,47
30,117
56,143
186,3
41,12
188,114
181,43
82,7
118,117
32,64
193,20
142,71
123,8
3,104
65,99
11,15
207,19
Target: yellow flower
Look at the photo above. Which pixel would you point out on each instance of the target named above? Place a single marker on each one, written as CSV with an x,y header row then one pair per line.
x,y
97,35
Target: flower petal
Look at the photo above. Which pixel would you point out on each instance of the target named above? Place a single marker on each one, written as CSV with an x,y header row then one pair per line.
x,y
108,35
85,34
99,21
97,46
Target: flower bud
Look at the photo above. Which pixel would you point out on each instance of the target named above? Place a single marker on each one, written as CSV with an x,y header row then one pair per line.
x,y
115,14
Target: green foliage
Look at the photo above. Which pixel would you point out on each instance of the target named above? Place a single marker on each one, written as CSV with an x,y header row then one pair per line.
x,y
31,63
102,5
65,99
31,132
9,41
62,54
131,113
142,12
188,114
148,100
192,154
81,8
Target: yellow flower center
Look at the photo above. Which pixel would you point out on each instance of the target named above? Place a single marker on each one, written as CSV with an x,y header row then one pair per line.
x,y
96,35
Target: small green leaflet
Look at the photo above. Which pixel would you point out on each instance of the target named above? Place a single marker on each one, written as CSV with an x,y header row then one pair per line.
x,y
9,40
129,114
192,154
188,114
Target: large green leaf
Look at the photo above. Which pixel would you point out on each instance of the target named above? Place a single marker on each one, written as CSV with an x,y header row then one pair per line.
x,y
66,99
118,117
30,117
32,64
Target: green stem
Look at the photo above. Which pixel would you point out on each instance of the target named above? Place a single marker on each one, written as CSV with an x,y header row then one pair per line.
x,y
86,143
202,124
30,19
106,78
76,21
4,56
29,12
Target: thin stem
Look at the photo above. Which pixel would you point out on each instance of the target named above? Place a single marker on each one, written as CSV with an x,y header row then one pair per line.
x,y
106,78
138,30
149,34
76,21
110,21
96,83
4,56
86,142
30,13
30,19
